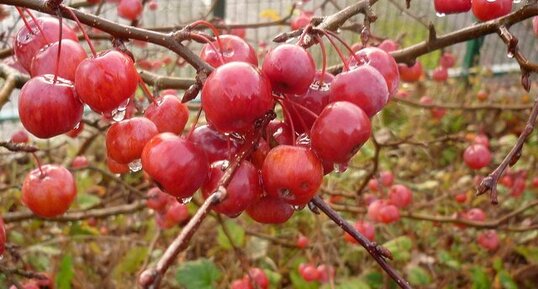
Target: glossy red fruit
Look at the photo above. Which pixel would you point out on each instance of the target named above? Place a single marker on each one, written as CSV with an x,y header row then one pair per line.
x,y
389,45
380,60
482,95
389,214
215,145
535,182
411,74
283,178
126,139
258,277
363,86
234,48
440,74
176,164
475,214
243,190
481,139
461,198
365,228
48,108
386,178
80,162
2,237
20,136
452,6
235,95
153,5
315,99
175,214
106,81
158,200
309,272
518,188
79,128
302,20
369,198
269,210
477,156
115,167
279,133
436,112
340,131
447,60
260,153
400,196
290,68
485,10
44,62
326,273
168,114
302,241
49,194
28,43
373,185
488,240
240,284
130,9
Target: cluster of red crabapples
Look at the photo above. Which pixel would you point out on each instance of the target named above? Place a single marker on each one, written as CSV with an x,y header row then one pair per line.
x,y
325,120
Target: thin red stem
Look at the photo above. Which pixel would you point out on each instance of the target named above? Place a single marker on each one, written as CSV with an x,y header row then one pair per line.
x,y
210,43
288,116
38,162
146,91
344,62
59,53
349,49
195,122
215,32
74,16
301,119
313,114
323,60
28,26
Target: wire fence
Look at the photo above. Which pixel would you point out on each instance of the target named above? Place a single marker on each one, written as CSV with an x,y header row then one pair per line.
x,y
393,21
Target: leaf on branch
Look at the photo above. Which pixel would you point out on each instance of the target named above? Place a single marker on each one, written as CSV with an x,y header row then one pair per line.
x,y
271,14
400,248
416,275
65,273
199,274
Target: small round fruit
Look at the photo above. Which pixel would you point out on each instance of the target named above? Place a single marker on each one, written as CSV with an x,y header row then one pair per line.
x,y
130,9
380,60
302,20
158,200
326,273
389,214
386,178
50,191
477,156
309,272
535,25
440,74
49,108
115,167
258,277
106,81
284,178
234,49
290,68
240,284
44,62
28,43
461,198
410,74
447,60
242,191
176,164
452,6
363,86
80,162
235,95
475,214
302,241
400,196
269,210
215,145
126,139
488,240
340,131
485,10
365,228
389,45
19,136
168,114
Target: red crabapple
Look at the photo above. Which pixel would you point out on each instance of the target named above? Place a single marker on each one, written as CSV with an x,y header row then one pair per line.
x,y
126,139
410,74
477,156
269,210
488,240
452,6
485,10
168,114
234,49
44,62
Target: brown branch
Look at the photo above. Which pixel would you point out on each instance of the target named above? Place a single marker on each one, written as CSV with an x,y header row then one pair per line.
x,y
165,81
371,174
12,217
18,147
489,183
272,239
379,253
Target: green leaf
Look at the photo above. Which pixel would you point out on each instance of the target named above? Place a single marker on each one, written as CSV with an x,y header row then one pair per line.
x,y
85,201
199,274
400,248
374,279
480,279
506,281
418,276
530,253
446,259
274,279
236,232
65,273
355,283
299,283
79,229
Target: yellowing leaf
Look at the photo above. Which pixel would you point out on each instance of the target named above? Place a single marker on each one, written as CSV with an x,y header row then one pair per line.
x,y
271,14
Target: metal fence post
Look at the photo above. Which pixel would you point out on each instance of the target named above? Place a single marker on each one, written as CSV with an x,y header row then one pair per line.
x,y
220,9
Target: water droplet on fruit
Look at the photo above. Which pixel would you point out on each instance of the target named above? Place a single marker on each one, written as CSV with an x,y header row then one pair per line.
x,y
135,165
303,139
228,53
491,1
185,201
340,168
439,14
77,126
118,115
510,54
298,208
517,1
